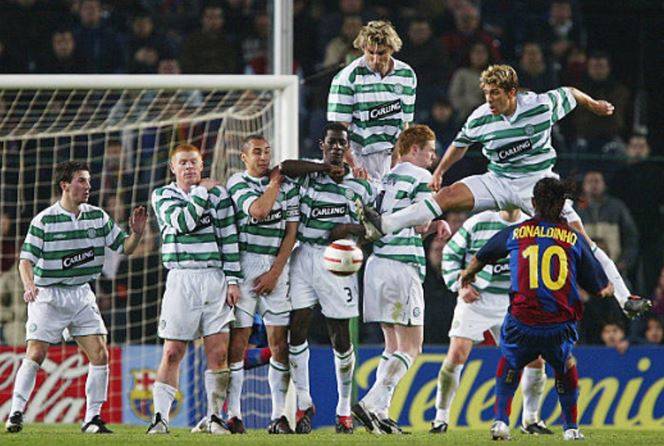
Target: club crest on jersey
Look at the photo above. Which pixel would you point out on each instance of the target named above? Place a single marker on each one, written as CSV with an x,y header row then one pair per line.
x,y
203,222
92,233
349,194
140,395
398,89
530,130
384,110
273,216
337,210
78,258
509,151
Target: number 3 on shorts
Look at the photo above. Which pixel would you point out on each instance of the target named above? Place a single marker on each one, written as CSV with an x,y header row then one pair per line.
x,y
350,294
532,254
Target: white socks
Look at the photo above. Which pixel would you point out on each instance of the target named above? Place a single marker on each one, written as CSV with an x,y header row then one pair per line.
x,y
416,214
278,377
344,365
448,383
383,412
380,393
163,396
216,386
621,292
96,390
532,387
24,384
235,390
298,360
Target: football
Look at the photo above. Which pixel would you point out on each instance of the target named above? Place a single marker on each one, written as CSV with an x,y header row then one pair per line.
x,y
343,257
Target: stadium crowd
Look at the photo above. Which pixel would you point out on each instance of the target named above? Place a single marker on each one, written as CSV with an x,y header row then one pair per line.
x,y
448,43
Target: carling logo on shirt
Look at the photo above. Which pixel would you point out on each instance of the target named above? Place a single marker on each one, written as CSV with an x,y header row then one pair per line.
x,y
509,151
78,258
338,210
273,216
384,110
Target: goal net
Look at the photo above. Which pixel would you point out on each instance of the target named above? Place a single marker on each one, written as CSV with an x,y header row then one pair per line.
x,y
123,127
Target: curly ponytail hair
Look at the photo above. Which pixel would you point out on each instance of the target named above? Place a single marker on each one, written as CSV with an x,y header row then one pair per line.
x,y
549,197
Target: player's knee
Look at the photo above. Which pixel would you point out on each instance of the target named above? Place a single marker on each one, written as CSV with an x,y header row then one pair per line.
x,y
172,356
36,355
98,355
218,359
280,351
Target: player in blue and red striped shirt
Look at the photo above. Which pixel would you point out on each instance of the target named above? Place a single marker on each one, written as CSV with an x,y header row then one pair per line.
x,y
548,261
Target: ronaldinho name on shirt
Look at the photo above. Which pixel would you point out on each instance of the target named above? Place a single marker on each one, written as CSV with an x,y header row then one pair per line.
x,y
560,234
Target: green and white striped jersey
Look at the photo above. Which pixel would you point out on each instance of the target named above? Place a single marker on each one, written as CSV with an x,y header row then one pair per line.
x,y
376,107
325,203
519,145
493,281
69,250
265,236
197,229
404,185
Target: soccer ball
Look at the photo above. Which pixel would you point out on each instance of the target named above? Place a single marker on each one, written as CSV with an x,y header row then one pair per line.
x,y
343,257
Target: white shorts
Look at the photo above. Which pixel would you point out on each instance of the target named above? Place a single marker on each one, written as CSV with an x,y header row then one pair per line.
x,y
194,305
377,164
393,293
58,308
470,321
311,284
495,193
275,307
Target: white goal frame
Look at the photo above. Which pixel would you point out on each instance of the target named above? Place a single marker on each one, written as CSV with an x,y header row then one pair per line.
x,y
286,88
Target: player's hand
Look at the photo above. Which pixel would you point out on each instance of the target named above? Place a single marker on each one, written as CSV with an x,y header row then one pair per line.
x,y
602,108
436,181
208,183
361,173
138,219
469,294
466,278
30,293
337,172
276,176
266,282
233,294
606,291
443,230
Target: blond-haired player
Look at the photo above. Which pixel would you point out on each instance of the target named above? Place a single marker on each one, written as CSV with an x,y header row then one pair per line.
x,y
375,97
200,250
514,128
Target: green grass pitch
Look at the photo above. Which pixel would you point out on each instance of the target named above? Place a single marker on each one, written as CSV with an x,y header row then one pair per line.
x,y
69,435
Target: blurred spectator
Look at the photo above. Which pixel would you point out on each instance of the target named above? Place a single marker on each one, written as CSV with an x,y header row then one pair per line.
x,y
330,23
13,310
613,335
254,45
534,72
572,67
658,295
464,91
468,31
210,50
340,50
442,121
99,45
169,66
598,130
432,71
145,45
238,16
305,32
607,217
648,330
639,185
562,30
63,57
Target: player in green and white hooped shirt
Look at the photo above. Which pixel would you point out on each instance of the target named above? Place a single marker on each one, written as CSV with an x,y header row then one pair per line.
x,y
62,252
393,293
480,308
199,247
374,96
515,129
267,216
328,211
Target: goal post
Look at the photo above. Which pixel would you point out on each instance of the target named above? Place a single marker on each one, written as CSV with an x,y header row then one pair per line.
x,y
123,126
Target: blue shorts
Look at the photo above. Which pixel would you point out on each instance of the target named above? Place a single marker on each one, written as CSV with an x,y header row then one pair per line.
x,y
522,344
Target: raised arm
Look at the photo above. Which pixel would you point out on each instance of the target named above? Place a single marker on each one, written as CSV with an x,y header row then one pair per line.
x,y
451,156
262,205
180,215
298,168
599,107
137,222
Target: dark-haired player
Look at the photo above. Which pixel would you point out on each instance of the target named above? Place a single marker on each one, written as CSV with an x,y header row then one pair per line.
x,y
64,251
548,261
